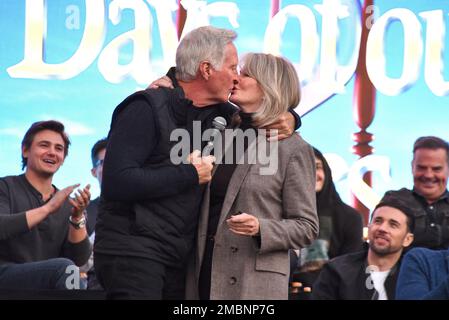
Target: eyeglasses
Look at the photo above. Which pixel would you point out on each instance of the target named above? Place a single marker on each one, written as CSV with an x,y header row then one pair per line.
x,y
99,163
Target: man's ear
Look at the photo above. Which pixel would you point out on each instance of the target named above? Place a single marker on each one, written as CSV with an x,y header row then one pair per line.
x,y
93,171
205,69
24,152
408,240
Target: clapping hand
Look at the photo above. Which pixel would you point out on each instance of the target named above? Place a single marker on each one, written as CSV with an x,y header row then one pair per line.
x,y
80,201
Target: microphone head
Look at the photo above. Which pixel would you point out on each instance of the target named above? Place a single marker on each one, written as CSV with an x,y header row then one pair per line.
x,y
219,123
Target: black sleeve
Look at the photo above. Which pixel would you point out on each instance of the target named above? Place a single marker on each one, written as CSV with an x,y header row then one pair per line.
x,y
297,118
327,284
353,232
79,252
132,139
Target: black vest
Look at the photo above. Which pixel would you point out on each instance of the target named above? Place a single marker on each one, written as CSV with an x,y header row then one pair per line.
x,y
161,229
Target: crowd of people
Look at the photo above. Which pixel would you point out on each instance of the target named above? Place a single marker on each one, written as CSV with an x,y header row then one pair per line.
x,y
228,224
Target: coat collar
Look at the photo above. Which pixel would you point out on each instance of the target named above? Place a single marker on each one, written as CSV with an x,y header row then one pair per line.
x,y
237,178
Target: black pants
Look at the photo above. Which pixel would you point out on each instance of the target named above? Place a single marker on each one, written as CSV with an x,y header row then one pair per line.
x,y
139,278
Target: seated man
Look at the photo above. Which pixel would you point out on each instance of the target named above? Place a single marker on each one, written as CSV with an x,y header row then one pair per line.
x,y
371,273
429,198
42,230
424,275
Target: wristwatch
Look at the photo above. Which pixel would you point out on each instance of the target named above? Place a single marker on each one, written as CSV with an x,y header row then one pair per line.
x,y
81,223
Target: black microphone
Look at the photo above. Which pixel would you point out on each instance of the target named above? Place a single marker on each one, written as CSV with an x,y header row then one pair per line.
x,y
218,125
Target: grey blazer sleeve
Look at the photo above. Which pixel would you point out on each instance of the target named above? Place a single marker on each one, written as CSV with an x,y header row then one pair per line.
x,y
299,224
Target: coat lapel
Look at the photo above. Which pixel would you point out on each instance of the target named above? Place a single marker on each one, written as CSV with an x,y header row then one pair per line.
x,y
202,229
239,175
240,172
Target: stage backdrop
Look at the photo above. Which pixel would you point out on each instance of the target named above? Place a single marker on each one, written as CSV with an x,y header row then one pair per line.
x,y
75,60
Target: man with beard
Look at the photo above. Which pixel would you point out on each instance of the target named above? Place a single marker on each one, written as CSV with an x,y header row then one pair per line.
x,y
428,201
370,274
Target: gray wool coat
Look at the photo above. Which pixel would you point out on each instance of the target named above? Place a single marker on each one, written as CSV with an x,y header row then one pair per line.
x,y
285,205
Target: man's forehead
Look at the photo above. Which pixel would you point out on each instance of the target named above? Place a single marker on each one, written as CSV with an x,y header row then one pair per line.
x,y
101,153
430,158
231,53
48,136
426,152
389,213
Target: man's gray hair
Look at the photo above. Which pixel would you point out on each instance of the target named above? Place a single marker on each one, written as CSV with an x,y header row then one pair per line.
x,y
202,44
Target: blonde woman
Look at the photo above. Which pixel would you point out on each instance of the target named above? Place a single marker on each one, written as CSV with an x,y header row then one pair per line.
x,y
249,220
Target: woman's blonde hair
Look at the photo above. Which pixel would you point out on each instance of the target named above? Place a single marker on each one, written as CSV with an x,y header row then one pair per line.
x,y
279,82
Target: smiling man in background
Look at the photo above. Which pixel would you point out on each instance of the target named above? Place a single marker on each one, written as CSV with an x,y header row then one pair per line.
x,y
370,274
429,198
42,231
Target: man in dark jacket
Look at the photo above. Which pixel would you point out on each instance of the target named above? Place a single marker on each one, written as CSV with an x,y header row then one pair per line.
x,y
42,230
149,205
372,273
429,199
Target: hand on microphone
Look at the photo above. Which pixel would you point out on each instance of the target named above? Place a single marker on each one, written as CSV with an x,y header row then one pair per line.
x,y
218,127
203,166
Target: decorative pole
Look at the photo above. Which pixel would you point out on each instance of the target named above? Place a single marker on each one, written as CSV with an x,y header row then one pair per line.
x,y
364,107
275,4
180,19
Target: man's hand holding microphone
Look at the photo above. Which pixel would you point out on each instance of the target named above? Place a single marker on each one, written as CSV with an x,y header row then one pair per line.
x,y
203,165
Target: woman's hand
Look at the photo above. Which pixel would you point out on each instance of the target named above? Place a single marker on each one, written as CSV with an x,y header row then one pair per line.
x,y
244,224
164,82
